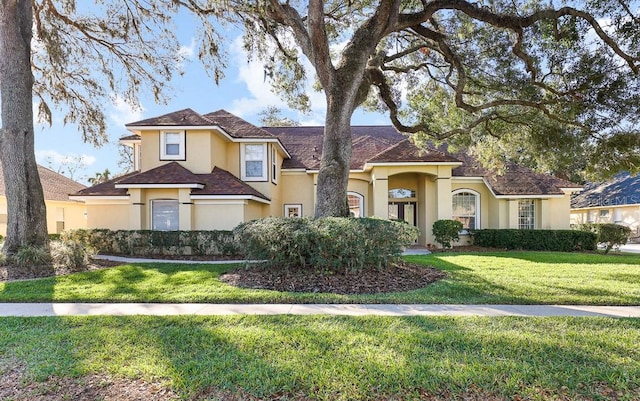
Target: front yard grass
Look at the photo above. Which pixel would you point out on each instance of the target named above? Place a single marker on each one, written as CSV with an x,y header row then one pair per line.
x,y
339,358
489,278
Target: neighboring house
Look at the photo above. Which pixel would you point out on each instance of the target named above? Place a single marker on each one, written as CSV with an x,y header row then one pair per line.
x,y
213,171
62,212
615,201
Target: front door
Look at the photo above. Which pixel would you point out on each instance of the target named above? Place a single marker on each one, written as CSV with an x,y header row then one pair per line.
x,y
403,211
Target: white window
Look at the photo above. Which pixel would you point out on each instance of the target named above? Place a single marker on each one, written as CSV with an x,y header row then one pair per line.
x,y
604,213
164,215
466,208
172,145
293,210
274,164
356,204
526,214
254,162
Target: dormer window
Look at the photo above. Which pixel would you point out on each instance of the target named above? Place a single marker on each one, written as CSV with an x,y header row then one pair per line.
x,y
172,145
254,162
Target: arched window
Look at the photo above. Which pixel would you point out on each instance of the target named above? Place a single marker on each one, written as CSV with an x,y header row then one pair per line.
x,y
356,204
466,208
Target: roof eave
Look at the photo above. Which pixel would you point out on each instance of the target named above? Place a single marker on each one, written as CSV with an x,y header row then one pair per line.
x,y
140,186
231,197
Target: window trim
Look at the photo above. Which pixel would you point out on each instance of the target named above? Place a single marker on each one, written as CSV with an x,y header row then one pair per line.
x,y
533,205
274,164
151,209
293,206
360,199
243,164
478,210
182,144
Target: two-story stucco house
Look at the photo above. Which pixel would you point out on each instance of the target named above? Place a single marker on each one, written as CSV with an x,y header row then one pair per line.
x,y
214,171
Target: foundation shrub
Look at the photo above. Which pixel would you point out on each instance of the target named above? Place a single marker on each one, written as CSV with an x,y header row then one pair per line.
x,y
71,255
328,245
149,242
610,235
30,256
536,240
446,231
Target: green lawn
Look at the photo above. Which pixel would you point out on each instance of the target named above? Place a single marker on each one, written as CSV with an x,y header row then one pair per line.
x,y
339,358
492,278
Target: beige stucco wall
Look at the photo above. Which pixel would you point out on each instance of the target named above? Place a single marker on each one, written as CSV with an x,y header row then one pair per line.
x,y
219,155
297,188
71,213
113,216
218,215
199,146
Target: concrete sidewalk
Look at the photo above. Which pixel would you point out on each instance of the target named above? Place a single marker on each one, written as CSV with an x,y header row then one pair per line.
x,y
126,309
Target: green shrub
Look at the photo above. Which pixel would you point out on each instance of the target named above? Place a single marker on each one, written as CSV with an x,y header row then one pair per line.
x,y
446,231
330,244
611,235
72,255
54,237
30,256
148,242
536,240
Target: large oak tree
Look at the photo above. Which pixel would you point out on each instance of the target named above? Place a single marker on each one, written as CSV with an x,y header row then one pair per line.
x,y
78,57
517,77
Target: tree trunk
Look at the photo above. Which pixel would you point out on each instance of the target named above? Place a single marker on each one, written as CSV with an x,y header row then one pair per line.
x,y
27,224
333,177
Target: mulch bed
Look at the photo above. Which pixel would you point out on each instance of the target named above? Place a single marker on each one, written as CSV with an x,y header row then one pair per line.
x,y
400,277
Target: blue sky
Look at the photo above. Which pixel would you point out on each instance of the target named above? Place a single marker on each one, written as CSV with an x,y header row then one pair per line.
x,y
242,92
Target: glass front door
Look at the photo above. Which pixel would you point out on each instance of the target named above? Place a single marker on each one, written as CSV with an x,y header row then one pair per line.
x,y
403,211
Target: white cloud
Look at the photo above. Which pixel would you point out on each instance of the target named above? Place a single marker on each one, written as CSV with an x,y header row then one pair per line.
x,y
251,74
123,112
53,159
187,51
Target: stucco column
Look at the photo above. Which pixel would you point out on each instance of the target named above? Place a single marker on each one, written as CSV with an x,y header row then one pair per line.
x,y
380,192
443,194
513,213
185,209
137,211
545,214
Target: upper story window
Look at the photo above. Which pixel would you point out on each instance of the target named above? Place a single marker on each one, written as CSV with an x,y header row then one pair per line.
x,y
526,214
254,162
172,145
466,208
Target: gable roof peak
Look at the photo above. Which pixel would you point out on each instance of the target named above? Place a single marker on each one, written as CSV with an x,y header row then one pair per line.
x,y
184,117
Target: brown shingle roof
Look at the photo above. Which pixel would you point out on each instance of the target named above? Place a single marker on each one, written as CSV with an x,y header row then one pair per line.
x,y
218,182
406,152
236,126
106,188
514,180
170,173
54,185
134,137
177,118
222,182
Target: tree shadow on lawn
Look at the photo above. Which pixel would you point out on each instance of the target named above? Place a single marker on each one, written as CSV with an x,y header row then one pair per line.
x,y
290,357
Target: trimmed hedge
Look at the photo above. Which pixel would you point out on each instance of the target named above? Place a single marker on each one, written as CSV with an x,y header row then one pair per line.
x,y
148,242
537,240
329,244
